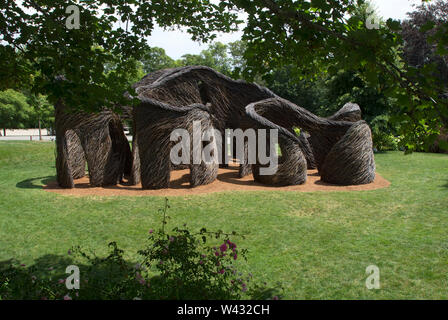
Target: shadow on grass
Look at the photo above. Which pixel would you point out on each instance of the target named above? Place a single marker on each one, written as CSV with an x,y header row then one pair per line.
x,y
445,185
35,183
109,278
45,279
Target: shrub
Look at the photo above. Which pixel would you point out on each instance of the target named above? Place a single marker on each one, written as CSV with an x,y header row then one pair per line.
x,y
383,136
177,265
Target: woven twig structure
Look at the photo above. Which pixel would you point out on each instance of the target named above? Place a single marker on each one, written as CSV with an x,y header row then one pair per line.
x,y
349,112
154,123
340,146
180,87
350,161
97,139
329,139
292,164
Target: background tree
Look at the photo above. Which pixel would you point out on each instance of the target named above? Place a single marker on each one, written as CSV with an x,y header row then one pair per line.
x,y
70,64
42,115
311,95
425,52
419,32
156,59
14,110
20,110
237,50
215,56
89,68
317,37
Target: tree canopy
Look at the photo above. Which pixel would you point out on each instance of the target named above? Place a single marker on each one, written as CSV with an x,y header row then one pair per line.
x,y
91,67
24,110
323,37
15,111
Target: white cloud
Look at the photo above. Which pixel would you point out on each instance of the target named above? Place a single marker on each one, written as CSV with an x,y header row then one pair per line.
x,y
177,43
395,9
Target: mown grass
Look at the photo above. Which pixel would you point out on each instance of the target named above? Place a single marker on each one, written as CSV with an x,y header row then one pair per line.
x,y
317,245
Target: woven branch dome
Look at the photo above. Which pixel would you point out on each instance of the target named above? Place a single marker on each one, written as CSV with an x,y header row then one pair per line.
x,y
342,150
167,94
339,146
97,139
154,123
351,160
292,164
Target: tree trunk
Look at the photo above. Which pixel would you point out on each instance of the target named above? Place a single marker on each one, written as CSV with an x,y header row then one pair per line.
x,y
40,131
4,132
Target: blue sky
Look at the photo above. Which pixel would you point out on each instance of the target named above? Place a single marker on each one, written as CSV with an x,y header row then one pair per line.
x,y
177,43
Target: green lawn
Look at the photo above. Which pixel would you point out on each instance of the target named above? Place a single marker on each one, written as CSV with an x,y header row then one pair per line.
x,y
317,244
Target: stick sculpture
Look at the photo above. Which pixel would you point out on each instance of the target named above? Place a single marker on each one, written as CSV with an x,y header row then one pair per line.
x,y
97,139
342,150
177,89
340,146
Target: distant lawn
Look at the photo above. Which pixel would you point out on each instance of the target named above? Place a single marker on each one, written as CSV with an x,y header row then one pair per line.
x,y
317,244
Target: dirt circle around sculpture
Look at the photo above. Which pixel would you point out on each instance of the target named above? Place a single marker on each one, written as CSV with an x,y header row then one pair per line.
x,y
228,180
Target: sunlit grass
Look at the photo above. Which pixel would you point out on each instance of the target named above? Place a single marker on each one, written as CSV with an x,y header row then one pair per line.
x,y
317,245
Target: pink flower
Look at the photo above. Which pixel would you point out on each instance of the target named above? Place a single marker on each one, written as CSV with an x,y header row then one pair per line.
x,y
217,253
67,297
223,247
151,231
201,262
69,252
235,256
222,271
231,245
